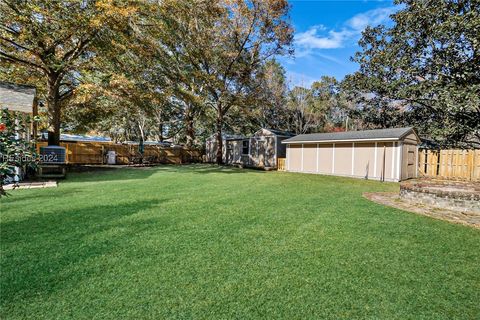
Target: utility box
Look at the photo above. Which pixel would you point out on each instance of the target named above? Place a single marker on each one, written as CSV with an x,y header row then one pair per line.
x,y
53,154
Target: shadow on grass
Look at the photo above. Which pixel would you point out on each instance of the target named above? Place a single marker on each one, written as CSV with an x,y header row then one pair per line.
x,y
134,173
47,193
43,253
206,169
120,173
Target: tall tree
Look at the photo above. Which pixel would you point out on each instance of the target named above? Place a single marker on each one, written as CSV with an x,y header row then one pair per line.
x,y
331,103
301,107
55,39
226,42
424,70
271,100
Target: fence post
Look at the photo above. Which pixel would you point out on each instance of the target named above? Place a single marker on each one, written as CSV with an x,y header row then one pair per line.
x,y
67,160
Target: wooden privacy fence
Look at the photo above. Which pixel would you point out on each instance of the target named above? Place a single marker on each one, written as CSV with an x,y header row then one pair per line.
x,y
281,164
450,164
96,153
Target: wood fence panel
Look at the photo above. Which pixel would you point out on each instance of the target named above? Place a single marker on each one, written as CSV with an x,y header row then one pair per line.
x,y
281,164
428,163
475,164
450,164
421,162
95,153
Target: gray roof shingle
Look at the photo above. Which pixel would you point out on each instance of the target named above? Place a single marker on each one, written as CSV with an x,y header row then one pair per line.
x,y
377,134
280,132
16,97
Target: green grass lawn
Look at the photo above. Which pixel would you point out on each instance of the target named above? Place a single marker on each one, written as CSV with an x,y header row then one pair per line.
x,y
205,243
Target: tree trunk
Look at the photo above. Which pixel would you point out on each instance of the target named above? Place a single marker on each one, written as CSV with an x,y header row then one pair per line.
x,y
141,145
219,123
189,128
160,130
159,118
54,110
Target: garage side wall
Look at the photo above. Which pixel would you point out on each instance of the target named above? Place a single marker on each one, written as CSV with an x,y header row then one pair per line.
x,y
368,160
310,158
364,161
294,157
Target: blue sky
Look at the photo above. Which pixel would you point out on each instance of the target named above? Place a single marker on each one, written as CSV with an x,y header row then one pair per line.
x,y
326,36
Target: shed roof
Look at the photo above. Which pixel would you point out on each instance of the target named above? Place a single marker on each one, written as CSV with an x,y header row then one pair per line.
x,y
279,132
365,135
227,137
16,97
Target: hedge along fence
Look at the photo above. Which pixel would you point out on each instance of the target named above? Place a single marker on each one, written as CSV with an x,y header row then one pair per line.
x,y
450,164
96,153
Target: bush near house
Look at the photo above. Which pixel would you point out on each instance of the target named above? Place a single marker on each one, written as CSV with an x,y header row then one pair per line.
x,y
15,149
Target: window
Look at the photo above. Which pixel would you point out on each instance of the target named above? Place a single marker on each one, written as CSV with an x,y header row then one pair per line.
x,y
245,146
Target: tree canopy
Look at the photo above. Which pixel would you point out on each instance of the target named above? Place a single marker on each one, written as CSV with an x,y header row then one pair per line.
x,y
57,39
180,70
424,70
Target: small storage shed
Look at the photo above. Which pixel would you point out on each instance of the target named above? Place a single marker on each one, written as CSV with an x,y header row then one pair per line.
x,y
259,151
384,154
264,148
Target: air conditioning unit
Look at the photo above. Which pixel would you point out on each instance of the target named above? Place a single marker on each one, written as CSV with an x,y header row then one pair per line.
x,y
52,154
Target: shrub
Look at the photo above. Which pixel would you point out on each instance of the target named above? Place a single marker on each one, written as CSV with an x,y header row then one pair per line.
x,y
16,151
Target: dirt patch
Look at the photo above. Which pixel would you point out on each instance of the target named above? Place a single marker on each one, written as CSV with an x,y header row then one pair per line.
x,y
393,199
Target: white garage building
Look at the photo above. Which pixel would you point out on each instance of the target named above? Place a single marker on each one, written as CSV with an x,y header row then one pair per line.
x,y
384,154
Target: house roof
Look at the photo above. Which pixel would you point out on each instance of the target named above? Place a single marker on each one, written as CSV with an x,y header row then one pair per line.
x,y
365,135
235,137
16,97
77,137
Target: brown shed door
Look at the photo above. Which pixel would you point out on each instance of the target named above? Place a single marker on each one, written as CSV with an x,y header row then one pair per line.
x,y
411,164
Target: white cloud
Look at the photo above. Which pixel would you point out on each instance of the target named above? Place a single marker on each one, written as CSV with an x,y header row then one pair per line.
x,y
318,37
295,79
311,39
370,18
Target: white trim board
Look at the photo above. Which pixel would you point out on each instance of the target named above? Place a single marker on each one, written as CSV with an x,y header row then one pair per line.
x,y
353,158
335,141
399,159
393,161
333,158
301,167
287,153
